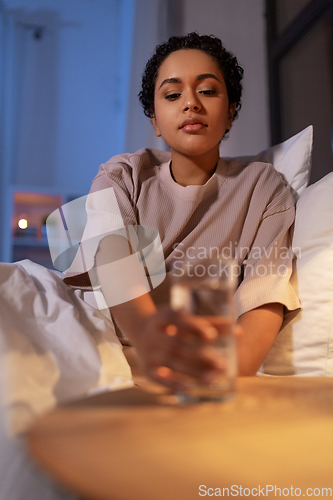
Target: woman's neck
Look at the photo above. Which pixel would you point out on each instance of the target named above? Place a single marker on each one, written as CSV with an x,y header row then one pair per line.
x,y
193,171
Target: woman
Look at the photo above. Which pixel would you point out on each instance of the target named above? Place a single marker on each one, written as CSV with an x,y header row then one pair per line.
x,y
191,91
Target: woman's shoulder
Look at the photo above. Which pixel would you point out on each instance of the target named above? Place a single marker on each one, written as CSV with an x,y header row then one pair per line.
x,y
253,168
256,172
259,179
129,170
142,159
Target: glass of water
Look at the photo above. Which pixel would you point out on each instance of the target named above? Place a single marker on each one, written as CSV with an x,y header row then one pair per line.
x,y
205,287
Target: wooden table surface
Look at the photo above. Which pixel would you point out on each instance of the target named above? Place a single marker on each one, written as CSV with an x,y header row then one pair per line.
x,y
131,445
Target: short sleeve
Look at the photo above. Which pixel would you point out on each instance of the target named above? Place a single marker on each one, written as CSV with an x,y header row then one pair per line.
x,y
268,265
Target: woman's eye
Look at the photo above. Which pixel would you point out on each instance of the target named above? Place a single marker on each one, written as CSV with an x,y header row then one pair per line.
x,y
172,97
207,92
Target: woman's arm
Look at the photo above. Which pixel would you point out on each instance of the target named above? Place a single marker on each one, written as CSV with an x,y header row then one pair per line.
x,y
260,327
149,330
168,343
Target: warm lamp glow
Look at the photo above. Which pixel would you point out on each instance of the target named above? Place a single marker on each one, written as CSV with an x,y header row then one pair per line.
x,y
22,223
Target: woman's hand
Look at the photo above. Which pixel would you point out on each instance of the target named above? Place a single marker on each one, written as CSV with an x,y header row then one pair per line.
x,y
172,345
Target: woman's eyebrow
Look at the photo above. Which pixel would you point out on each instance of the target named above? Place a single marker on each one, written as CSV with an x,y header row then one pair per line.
x,y
198,78
207,75
170,80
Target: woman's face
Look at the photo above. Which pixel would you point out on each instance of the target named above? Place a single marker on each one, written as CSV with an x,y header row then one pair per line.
x,y
192,111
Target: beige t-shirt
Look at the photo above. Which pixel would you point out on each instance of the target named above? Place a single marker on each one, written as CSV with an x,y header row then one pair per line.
x,y
244,209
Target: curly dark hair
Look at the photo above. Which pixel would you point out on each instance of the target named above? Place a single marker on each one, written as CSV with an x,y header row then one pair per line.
x,y
231,70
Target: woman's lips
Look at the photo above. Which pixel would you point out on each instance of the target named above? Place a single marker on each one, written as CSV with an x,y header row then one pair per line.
x,y
192,125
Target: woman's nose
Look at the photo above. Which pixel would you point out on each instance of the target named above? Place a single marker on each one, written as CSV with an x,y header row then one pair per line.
x,y
191,103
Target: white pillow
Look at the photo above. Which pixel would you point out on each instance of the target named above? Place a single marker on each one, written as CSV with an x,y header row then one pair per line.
x,y
305,345
292,158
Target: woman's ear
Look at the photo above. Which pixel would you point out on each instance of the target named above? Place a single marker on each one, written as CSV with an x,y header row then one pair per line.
x,y
232,109
153,120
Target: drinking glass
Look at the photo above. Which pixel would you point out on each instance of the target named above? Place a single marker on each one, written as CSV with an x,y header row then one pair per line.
x,y
205,287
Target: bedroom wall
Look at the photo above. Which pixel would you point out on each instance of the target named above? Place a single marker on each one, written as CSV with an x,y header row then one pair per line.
x,y
69,88
63,96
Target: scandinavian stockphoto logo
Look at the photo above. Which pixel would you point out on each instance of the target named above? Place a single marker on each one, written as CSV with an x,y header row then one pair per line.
x,y
74,232
243,261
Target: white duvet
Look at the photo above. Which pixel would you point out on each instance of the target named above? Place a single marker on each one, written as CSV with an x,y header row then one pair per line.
x,y
54,347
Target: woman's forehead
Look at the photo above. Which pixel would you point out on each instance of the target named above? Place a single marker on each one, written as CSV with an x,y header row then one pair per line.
x,y
187,61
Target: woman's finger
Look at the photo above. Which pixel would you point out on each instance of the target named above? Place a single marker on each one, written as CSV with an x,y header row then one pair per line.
x,y
185,324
